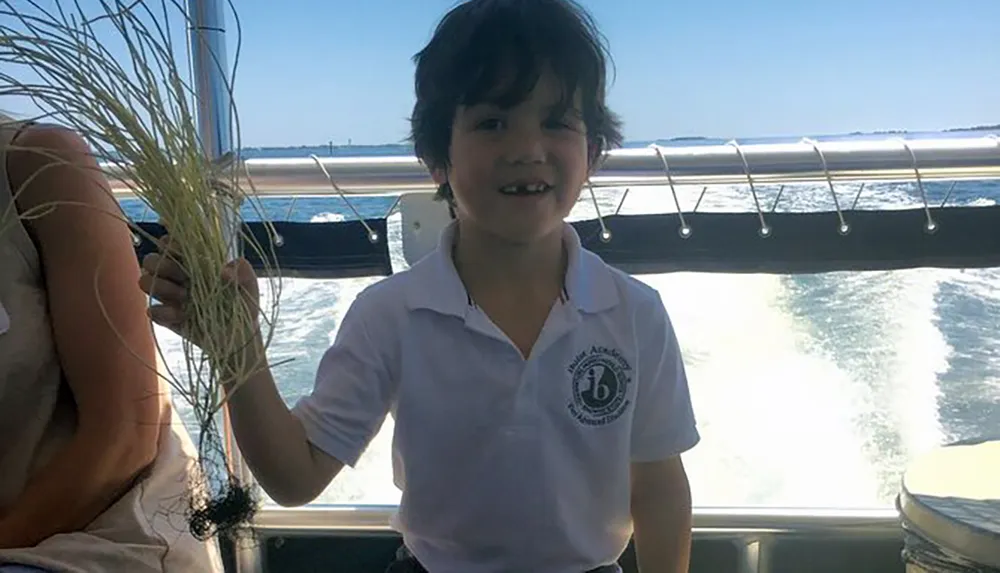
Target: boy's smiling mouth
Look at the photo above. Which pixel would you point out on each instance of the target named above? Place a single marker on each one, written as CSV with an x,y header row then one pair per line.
x,y
526,188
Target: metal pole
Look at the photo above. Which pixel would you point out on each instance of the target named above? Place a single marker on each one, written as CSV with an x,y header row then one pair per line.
x,y
213,107
209,59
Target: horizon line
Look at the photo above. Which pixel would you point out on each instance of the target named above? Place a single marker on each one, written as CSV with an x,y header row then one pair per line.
x,y
331,144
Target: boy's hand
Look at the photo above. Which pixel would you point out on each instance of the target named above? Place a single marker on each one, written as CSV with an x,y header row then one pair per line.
x,y
165,279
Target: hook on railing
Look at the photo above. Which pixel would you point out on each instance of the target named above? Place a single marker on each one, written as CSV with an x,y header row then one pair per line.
x,y
372,233
605,231
857,196
685,230
844,228
765,230
930,226
774,206
621,201
276,239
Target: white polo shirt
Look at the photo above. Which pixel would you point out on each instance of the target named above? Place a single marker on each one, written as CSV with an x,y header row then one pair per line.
x,y
506,464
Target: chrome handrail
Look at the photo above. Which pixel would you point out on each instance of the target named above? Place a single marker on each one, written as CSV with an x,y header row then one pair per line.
x,y
769,163
317,518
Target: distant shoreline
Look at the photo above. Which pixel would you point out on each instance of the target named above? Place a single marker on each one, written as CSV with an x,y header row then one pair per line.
x,y
994,127
679,139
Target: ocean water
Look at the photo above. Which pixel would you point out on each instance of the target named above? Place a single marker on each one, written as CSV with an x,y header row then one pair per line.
x,y
811,391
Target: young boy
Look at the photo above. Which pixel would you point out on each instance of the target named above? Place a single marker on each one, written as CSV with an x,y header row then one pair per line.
x,y
539,396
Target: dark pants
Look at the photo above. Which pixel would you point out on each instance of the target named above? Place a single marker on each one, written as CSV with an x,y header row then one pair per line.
x,y
406,563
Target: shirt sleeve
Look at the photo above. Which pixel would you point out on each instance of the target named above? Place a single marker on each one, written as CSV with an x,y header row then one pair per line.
x,y
664,424
352,392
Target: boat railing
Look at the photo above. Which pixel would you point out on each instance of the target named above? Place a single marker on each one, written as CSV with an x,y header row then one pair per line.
x,y
967,157
353,518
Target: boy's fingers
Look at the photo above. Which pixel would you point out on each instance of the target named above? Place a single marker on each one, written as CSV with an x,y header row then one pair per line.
x,y
162,290
164,268
166,316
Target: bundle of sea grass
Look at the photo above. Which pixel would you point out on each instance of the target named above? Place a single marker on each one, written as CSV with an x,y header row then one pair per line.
x,y
135,110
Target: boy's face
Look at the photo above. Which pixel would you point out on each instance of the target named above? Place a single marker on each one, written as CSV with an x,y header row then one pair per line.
x,y
516,173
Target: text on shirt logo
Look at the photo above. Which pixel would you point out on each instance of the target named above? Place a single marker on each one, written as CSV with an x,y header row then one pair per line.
x,y
600,378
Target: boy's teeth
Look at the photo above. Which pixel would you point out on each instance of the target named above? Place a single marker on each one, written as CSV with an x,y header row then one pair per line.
x,y
531,188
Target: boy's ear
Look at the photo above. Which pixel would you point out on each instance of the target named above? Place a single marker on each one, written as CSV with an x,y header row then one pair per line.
x,y
594,157
439,175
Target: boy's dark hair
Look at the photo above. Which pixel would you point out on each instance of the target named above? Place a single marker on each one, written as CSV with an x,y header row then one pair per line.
x,y
479,41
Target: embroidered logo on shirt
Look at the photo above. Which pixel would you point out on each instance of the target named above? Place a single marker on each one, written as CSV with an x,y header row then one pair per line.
x,y
600,378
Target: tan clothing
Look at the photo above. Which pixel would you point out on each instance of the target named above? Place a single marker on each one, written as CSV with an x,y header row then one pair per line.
x,y
146,530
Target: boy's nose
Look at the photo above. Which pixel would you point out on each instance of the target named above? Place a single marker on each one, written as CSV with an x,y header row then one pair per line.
x,y
526,145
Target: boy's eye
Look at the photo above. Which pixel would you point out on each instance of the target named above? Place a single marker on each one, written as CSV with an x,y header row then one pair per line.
x,y
490,124
495,123
567,120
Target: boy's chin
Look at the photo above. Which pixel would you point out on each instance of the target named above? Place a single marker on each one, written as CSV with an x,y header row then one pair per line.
x,y
528,232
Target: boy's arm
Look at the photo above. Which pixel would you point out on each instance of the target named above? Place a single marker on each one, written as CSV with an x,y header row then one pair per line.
x,y
295,453
661,515
273,442
663,428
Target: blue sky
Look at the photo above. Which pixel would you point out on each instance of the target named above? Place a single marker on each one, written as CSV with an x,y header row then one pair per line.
x,y
318,70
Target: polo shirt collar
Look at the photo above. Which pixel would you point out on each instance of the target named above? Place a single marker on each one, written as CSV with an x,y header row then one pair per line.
x,y
435,285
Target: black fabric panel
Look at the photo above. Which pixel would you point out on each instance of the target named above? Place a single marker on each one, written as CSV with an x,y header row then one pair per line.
x,y
327,250
966,237
312,250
